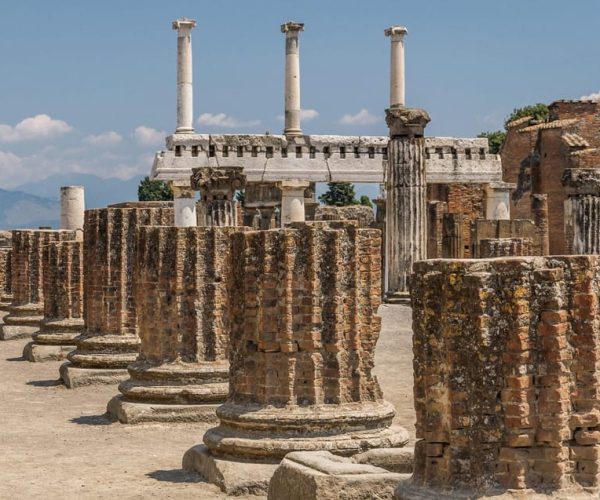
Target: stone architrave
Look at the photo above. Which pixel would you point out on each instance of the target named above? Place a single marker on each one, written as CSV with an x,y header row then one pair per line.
x,y
406,204
506,378
304,329
110,342
63,303
181,287
217,188
27,278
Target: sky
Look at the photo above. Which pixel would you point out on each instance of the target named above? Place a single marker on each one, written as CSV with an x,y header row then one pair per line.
x,y
90,86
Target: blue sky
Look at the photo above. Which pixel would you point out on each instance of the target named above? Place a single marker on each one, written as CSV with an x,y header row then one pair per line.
x,y
101,70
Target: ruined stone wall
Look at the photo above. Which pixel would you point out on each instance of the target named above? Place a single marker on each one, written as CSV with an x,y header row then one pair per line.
x,y
5,270
27,263
63,280
465,199
504,247
109,249
365,216
305,320
506,373
435,214
182,281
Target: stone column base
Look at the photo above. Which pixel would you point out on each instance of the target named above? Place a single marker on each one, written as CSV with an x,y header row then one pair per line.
x,y
407,490
75,376
135,412
268,432
172,392
397,298
21,322
55,340
234,477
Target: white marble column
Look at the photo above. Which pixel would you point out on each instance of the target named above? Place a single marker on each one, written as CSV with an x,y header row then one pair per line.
x,y
292,77
72,207
184,204
185,95
292,201
397,96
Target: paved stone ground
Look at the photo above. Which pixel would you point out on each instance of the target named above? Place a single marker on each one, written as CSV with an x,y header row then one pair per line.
x,y
56,443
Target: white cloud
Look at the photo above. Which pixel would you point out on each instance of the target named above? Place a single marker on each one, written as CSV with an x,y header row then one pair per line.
x,y
148,136
110,138
306,115
363,117
35,127
224,121
592,97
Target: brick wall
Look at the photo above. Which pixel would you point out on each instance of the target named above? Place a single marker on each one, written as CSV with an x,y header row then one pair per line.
x,y
506,373
109,262
5,271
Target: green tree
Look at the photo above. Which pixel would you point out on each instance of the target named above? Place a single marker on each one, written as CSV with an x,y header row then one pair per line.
x,y
339,194
366,201
539,112
149,190
240,196
495,139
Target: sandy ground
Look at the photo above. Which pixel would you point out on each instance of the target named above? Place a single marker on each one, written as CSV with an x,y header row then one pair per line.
x,y
56,443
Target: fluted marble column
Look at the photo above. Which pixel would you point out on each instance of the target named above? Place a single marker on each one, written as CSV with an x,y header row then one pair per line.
x,y
292,77
72,207
185,94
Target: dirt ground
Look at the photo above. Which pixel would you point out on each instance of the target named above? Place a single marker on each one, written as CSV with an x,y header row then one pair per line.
x,y
56,443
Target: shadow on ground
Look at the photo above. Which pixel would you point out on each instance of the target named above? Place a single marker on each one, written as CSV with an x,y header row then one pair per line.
x,y
103,419
176,476
20,358
45,383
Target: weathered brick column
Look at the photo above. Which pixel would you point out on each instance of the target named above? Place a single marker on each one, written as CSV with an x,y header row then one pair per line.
x,y
27,274
181,289
406,204
304,328
5,279
63,302
507,378
110,341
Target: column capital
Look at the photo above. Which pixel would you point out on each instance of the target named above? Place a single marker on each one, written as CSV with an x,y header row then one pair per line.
x,y
184,24
396,32
292,27
224,180
406,122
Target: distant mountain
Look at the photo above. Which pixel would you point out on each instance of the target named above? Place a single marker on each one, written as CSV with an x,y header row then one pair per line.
x,y
19,210
98,192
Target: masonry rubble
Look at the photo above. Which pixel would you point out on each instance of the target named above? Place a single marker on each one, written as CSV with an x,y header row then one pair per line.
x,y
506,378
304,330
26,310
109,341
63,302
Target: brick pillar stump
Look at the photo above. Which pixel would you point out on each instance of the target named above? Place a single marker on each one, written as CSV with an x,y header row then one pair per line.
x,y
26,310
181,289
63,303
507,378
110,342
304,328
5,278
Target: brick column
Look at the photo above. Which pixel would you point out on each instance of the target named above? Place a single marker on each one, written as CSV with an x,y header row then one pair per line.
x,y
304,330
539,212
181,288
5,278
406,189
27,307
63,302
506,378
110,341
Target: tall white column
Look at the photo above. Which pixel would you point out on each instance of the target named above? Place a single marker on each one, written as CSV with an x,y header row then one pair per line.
x,y
397,95
184,205
292,77
72,207
185,95
292,201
